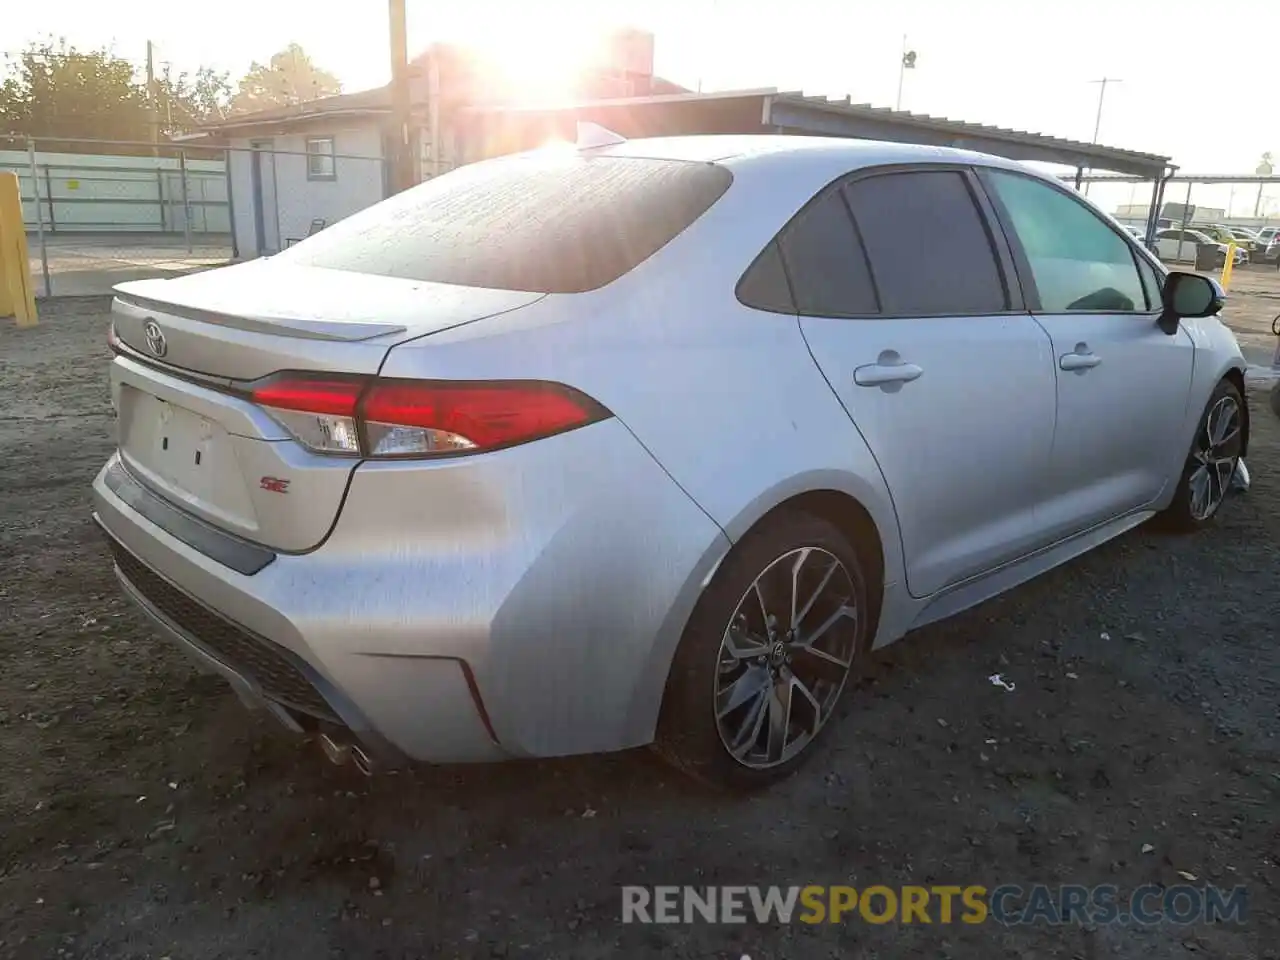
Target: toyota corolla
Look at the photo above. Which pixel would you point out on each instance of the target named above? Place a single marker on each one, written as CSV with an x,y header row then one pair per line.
x,y
648,442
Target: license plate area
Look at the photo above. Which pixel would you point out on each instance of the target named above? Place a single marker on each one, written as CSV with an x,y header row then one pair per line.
x,y
188,457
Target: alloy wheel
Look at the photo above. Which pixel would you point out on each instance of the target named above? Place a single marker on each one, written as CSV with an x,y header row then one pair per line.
x,y
785,656
1216,452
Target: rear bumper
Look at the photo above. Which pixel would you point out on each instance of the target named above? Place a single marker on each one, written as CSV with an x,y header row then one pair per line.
x,y
521,603
319,703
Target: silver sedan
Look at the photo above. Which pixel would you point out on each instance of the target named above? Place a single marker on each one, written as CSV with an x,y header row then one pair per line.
x,y
648,442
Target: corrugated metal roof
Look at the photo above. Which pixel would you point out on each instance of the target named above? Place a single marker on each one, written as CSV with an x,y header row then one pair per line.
x,y
963,129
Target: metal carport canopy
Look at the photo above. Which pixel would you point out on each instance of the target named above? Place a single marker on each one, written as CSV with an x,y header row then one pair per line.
x,y
796,113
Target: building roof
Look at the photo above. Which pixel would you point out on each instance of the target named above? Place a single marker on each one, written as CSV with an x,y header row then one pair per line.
x,y
780,111
364,103
975,136
793,112
372,103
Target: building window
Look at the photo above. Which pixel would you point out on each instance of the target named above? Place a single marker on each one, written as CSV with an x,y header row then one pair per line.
x,y
320,161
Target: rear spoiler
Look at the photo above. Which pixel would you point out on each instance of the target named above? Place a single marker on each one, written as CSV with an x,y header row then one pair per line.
x,y
346,331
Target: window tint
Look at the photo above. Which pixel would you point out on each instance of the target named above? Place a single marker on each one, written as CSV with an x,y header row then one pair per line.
x,y
1077,260
824,259
546,224
929,249
764,285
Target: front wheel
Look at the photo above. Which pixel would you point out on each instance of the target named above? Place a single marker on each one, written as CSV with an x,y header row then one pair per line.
x,y
766,655
1211,464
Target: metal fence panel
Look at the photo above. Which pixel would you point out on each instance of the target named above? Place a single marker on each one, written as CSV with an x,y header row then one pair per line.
x,y
118,212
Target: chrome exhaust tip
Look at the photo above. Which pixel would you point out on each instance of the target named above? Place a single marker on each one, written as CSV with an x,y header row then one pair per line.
x,y
361,760
337,753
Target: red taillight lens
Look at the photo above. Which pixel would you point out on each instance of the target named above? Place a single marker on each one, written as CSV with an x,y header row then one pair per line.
x,y
333,397
401,418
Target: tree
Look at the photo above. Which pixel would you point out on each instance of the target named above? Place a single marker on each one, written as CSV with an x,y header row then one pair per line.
x,y
1265,165
289,77
55,90
185,101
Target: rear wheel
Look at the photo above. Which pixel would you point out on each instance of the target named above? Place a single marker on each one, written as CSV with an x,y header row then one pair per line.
x,y
1215,452
766,655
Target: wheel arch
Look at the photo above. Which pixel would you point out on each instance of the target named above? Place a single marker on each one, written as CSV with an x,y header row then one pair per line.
x,y
865,517
1236,376
848,515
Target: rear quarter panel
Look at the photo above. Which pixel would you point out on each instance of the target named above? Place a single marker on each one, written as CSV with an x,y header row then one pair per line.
x,y
725,397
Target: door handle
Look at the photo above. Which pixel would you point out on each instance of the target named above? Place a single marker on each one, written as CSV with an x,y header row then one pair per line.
x,y
1079,361
880,374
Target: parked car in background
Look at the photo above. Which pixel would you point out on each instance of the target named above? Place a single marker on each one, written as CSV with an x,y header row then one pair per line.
x,y
1223,235
1175,245
1182,245
1139,234
1244,235
648,442
1266,249
1216,231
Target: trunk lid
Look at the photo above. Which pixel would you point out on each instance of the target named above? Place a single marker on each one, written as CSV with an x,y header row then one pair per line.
x,y
253,319
190,346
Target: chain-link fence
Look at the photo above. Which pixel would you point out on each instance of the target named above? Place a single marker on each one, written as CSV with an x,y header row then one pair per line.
x,y
102,212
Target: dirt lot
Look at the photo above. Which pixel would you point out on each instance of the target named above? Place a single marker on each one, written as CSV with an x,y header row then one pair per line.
x,y
145,814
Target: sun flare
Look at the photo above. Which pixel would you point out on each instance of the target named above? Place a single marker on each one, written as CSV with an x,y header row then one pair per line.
x,y
537,60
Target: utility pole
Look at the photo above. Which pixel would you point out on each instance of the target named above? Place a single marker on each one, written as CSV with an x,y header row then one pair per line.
x,y
401,159
152,110
1097,122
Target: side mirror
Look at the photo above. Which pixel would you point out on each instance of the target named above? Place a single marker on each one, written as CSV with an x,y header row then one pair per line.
x,y
1188,296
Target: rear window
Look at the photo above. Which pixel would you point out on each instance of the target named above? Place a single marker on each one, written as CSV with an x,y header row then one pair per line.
x,y
545,224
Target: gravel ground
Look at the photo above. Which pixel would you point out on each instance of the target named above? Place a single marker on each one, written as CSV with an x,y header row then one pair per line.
x,y
145,813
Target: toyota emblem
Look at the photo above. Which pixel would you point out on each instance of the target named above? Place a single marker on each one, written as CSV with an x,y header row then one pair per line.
x,y
156,342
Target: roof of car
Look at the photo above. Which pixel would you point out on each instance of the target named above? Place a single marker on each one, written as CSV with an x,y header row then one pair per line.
x,y
739,147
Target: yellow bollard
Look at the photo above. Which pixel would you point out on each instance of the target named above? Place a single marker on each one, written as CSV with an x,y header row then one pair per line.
x,y
1229,265
17,291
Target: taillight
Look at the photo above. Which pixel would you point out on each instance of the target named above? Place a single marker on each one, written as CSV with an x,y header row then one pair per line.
x,y
320,413
408,418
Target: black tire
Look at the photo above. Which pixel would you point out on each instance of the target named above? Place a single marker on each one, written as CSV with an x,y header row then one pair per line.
x,y
1182,514
1275,399
689,735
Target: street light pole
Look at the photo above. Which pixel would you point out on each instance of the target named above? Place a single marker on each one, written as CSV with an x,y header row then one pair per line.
x,y
907,62
1097,122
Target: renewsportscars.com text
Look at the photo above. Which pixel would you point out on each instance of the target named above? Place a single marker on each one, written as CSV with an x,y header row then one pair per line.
x,y
1007,904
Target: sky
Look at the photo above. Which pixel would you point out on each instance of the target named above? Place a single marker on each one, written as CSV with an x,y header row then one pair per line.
x,y
1198,82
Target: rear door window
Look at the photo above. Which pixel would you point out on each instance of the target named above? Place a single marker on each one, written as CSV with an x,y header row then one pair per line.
x,y
825,261
765,286
550,224
927,243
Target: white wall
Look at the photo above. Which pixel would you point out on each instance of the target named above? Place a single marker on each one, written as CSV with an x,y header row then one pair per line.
x,y
359,183
101,192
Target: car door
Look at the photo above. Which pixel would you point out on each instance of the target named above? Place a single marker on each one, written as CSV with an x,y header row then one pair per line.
x,y
910,310
1123,384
